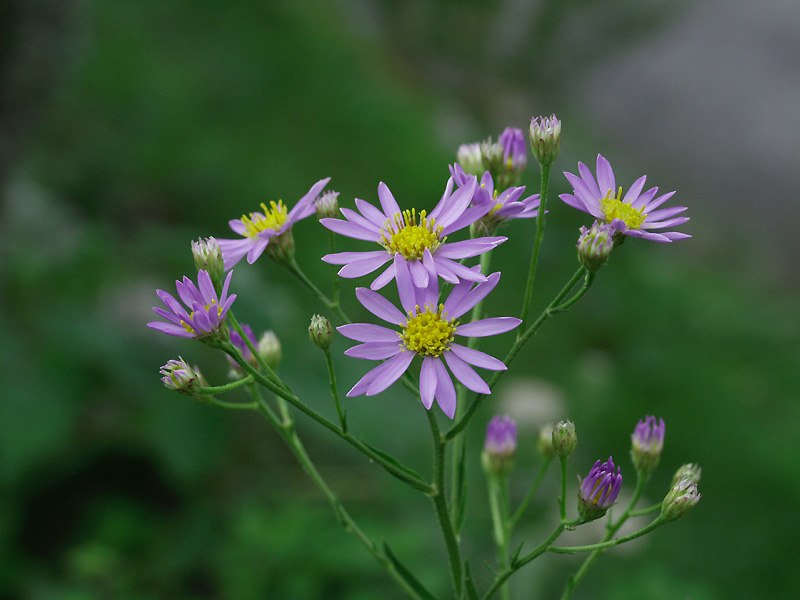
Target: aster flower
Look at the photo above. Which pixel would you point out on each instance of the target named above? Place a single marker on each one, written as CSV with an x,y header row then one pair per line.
x,y
259,229
428,330
500,445
414,237
599,490
178,376
634,214
545,136
505,205
515,150
208,311
647,442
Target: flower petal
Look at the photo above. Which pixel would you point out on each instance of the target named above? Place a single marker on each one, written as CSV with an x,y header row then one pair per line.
x,y
465,374
427,381
380,306
390,371
490,326
445,390
388,203
375,350
367,332
477,358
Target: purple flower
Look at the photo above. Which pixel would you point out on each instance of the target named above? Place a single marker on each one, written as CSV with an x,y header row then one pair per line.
x,y
515,149
180,377
634,214
259,228
505,205
599,490
501,436
647,441
413,237
207,316
428,330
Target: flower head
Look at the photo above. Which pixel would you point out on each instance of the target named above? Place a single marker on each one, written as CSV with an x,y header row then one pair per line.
x,y
506,158
682,497
545,136
564,438
515,150
206,312
417,238
178,376
427,329
269,347
599,490
647,441
208,256
595,246
327,205
500,444
504,206
320,332
633,214
470,159
690,471
272,226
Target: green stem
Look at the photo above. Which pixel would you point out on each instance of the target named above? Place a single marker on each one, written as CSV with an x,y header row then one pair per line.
x,y
298,273
254,351
221,389
230,405
532,492
646,511
335,391
537,242
555,307
392,466
285,427
440,504
658,522
563,502
501,525
611,529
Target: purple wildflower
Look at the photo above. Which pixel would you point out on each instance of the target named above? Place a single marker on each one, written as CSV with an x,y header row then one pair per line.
x,y
647,441
428,330
632,215
500,445
505,205
259,229
599,490
207,316
180,377
515,149
413,237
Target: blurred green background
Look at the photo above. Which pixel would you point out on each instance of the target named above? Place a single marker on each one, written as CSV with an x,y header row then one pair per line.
x,y
129,128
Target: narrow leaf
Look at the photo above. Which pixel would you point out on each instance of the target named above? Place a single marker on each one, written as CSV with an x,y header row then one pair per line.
x,y
407,575
472,592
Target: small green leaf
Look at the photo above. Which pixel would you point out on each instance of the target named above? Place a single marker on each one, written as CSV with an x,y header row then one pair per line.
x,y
472,593
408,576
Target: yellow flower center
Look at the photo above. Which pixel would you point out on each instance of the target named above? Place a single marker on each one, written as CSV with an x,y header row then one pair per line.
x,y
188,327
401,234
615,208
273,218
428,333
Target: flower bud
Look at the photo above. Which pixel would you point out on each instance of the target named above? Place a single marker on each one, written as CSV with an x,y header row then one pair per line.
x,y
647,441
180,377
269,347
515,153
680,499
281,247
500,445
545,443
320,332
470,159
598,492
545,136
327,205
690,471
208,257
564,438
595,246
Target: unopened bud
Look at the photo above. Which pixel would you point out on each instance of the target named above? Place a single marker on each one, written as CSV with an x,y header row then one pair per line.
x,y
545,443
595,245
682,497
647,441
690,471
178,376
320,332
545,136
269,347
564,438
327,205
500,445
208,257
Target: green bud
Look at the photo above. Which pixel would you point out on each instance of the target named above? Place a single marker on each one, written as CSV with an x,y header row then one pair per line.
x,y
680,499
690,471
208,257
269,347
320,332
564,438
545,443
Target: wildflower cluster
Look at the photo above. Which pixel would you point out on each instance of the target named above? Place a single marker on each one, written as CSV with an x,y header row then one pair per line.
x,y
429,281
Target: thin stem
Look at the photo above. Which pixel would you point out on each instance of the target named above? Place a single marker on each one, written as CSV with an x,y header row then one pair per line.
x,y
285,427
221,389
254,351
440,504
658,522
537,242
230,405
562,503
646,511
532,492
501,525
555,307
611,529
392,466
298,273
335,391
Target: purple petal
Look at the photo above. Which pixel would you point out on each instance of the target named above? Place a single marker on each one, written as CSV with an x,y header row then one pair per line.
x,y
363,384
445,390
357,268
343,258
168,315
605,176
371,213
367,332
477,358
405,287
375,350
170,329
419,276
258,247
427,381
389,372
384,278
487,327
469,248
234,250
457,269
380,306
349,229
465,374
388,203
456,309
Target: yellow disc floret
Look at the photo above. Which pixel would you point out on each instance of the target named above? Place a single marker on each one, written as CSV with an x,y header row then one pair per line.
x,y
188,327
401,234
273,218
615,208
428,332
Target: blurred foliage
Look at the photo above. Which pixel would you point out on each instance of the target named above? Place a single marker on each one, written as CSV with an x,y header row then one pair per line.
x,y
130,128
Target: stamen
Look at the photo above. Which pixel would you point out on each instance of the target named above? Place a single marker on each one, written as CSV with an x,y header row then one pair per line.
x,y
273,218
615,208
402,235
428,333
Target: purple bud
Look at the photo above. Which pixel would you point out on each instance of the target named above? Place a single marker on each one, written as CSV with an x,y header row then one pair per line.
x,y
599,490
500,445
647,442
